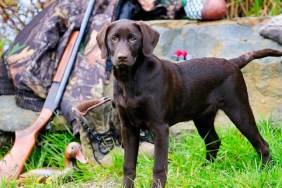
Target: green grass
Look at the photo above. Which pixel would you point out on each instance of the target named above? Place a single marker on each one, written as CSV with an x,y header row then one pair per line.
x,y
237,165
243,8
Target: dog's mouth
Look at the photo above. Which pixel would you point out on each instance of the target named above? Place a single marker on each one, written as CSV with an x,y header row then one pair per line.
x,y
122,71
122,66
120,63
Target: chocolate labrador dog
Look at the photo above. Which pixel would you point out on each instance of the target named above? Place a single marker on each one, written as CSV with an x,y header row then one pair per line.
x,y
154,94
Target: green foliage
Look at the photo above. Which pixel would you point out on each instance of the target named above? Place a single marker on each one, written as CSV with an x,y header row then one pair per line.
x,y
237,165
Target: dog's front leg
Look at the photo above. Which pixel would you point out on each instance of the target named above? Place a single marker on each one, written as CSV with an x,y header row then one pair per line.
x,y
130,139
161,133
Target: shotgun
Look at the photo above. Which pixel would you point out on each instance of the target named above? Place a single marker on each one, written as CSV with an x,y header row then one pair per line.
x,y
13,162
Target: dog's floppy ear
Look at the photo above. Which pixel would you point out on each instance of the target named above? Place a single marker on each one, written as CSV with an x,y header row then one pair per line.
x,y
150,38
101,40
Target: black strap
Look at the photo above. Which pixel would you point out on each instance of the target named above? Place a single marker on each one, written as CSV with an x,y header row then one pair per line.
x,y
147,136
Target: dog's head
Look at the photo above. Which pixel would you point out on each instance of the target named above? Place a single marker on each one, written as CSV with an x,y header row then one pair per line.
x,y
125,40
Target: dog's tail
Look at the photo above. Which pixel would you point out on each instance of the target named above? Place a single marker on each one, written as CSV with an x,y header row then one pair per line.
x,y
244,59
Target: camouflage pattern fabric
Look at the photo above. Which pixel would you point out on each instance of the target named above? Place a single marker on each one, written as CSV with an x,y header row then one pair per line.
x,y
174,9
6,84
32,58
87,79
98,133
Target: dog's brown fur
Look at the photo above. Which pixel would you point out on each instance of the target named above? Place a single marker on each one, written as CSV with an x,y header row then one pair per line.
x,y
155,94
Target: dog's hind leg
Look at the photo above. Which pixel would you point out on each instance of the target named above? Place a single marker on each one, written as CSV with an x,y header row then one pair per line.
x,y
240,113
205,127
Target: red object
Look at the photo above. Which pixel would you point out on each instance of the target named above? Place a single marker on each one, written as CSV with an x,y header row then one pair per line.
x,y
184,53
177,53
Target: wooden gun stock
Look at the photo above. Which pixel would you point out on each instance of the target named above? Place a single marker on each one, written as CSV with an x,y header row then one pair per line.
x,y
12,164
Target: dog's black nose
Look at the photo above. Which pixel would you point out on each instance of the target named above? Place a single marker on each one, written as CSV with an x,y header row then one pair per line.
x,y
122,57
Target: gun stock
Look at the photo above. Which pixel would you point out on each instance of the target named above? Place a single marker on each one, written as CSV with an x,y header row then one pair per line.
x,y
12,164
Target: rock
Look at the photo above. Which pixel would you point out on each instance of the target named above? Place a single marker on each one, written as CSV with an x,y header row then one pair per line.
x,y
13,117
229,39
147,149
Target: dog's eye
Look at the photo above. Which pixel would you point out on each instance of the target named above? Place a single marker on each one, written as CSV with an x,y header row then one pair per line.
x,y
132,39
114,39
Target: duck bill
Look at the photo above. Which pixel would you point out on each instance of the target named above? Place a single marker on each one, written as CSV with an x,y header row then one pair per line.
x,y
79,156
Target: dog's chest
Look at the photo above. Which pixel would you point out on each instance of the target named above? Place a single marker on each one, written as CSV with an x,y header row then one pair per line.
x,y
133,108
127,95
136,117
127,101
